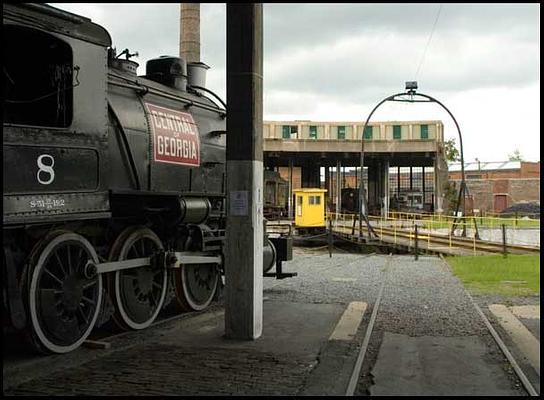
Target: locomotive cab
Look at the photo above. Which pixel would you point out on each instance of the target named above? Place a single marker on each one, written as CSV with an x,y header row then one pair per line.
x,y
54,114
38,75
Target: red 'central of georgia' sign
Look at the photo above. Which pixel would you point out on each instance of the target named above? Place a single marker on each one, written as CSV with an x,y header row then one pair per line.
x,y
175,136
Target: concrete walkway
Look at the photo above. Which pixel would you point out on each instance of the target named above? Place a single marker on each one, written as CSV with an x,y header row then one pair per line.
x,y
520,335
437,366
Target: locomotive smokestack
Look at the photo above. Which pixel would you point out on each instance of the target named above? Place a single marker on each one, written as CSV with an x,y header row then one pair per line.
x,y
189,43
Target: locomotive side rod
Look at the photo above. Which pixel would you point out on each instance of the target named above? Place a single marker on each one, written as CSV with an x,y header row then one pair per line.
x,y
169,259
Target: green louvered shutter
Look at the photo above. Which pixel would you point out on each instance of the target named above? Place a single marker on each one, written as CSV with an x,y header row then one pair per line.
x,y
341,132
424,131
396,132
368,132
286,132
313,132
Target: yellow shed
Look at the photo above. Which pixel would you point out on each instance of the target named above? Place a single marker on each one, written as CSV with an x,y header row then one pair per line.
x,y
309,208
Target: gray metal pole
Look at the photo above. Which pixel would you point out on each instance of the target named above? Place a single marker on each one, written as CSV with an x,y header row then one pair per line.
x,y
327,188
504,251
415,242
386,189
244,242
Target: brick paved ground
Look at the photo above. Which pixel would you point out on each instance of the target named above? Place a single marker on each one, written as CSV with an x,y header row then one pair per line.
x,y
293,357
174,370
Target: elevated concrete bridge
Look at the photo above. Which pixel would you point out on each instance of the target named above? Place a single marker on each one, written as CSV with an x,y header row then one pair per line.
x,y
298,150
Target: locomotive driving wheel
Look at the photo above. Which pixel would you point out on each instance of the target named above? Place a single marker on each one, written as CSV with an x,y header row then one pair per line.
x,y
63,303
195,285
137,293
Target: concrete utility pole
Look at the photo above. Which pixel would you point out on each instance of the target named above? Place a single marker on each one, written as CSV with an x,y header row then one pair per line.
x,y
244,246
189,32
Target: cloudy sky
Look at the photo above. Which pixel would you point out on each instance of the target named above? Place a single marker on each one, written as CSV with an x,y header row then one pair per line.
x,y
336,62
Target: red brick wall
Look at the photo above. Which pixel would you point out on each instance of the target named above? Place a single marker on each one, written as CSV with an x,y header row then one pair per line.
x,y
525,189
500,185
482,192
486,174
530,169
516,190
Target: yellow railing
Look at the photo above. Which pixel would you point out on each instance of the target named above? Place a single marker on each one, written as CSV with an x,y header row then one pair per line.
x,y
436,221
439,224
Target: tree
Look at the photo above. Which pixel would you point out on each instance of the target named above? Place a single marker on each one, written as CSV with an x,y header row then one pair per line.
x,y
450,189
450,195
516,156
451,152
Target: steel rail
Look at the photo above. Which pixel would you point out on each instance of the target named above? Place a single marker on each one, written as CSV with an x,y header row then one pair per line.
x,y
456,242
463,242
467,246
477,244
519,372
354,379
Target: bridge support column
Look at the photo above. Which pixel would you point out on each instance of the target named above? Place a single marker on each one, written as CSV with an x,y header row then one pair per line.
x,y
385,185
338,187
290,191
440,180
373,182
327,187
423,186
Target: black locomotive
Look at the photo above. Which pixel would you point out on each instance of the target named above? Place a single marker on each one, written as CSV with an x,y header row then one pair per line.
x,y
350,200
114,184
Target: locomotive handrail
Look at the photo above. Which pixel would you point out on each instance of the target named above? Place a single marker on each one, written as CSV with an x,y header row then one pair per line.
x,y
212,93
127,146
136,86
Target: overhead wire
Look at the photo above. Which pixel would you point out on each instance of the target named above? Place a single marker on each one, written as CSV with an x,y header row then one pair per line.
x,y
428,42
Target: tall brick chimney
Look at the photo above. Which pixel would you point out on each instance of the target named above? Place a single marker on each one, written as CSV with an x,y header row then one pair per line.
x,y
189,33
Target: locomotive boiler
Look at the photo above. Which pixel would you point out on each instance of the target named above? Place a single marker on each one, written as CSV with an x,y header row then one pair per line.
x,y
114,184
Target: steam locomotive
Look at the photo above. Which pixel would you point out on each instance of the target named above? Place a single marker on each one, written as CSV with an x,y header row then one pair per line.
x,y
114,184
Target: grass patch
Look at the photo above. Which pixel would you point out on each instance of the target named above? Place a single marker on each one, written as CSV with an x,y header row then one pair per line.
x,y
516,275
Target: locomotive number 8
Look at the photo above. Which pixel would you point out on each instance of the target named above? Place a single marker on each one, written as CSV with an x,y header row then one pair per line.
x,y
48,169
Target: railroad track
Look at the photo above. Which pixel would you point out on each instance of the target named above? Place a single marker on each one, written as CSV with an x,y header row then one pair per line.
x,y
441,241
434,242
356,372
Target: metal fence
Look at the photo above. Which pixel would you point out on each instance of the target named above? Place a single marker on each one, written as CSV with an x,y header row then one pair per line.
x,y
514,231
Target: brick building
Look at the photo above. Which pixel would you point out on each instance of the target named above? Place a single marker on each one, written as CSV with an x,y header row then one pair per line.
x,y
495,186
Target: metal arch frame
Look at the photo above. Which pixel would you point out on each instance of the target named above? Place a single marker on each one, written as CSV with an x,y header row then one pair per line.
x,y
463,190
